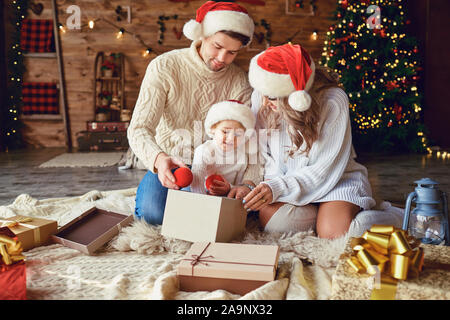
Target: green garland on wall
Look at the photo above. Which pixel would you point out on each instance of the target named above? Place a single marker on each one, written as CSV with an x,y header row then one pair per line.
x,y
10,129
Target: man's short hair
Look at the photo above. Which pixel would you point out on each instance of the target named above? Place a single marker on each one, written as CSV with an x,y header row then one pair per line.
x,y
238,36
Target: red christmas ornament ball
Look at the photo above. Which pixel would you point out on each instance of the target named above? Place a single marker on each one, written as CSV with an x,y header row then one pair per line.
x,y
211,178
183,177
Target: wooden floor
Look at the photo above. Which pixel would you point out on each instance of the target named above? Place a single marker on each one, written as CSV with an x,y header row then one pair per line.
x,y
391,177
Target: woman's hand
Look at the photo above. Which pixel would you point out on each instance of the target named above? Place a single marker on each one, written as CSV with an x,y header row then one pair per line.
x,y
258,198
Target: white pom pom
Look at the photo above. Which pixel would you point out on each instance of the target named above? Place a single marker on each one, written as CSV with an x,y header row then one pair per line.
x,y
192,30
299,100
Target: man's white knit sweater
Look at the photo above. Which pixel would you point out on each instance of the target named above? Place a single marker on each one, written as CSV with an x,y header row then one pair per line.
x,y
176,93
329,172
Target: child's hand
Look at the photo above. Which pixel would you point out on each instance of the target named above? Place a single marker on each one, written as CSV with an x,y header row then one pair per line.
x,y
219,188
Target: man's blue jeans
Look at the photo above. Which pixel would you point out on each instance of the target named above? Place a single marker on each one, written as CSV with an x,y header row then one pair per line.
x,y
151,198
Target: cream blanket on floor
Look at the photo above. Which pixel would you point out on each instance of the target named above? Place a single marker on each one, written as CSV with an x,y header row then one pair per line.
x,y
139,263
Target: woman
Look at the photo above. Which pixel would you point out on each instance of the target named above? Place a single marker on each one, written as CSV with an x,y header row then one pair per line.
x,y
311,178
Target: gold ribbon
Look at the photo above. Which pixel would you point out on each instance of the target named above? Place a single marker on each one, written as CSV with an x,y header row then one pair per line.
x,y
10,247
21,222
389,253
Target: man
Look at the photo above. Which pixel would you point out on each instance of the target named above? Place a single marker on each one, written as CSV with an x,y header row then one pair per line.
x,y
176,93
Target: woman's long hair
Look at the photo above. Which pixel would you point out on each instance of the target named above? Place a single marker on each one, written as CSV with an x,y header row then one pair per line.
x,y
302,126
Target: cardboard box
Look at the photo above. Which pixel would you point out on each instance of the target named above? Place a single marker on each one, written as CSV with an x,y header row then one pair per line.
x,y
433,282
199,217
236,268
91,230
13,281
31,233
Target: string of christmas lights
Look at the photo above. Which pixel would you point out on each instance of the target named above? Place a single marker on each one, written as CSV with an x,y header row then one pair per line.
x,y
119,34
11,125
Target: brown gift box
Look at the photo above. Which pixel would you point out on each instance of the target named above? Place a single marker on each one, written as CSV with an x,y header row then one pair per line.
x,y
198,217
433,282
91,230
31,233
236,268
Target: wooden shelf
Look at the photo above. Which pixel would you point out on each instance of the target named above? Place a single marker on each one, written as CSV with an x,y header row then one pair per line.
x,y
37,117
42,55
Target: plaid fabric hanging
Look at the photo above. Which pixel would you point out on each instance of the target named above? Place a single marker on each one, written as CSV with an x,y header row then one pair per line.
x,y
40,98
36,35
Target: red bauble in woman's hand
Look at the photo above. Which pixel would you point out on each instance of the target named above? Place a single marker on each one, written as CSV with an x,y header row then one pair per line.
x,y
183,177
210,180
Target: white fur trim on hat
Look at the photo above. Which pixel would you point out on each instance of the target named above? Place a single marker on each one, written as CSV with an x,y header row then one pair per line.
x,y
299,100
229,110
272,84
239,22
192,30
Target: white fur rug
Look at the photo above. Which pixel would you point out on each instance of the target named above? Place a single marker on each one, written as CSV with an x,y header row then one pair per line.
x,y
139,263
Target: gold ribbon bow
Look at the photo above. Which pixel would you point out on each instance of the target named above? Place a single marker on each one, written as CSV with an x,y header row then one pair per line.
x,y
10,248
389,252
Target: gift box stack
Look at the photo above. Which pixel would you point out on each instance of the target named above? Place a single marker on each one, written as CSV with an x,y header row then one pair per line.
x,y
212,263
386,264
13,282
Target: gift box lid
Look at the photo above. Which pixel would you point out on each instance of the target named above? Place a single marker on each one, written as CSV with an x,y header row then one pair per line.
x,y
91,230
230,261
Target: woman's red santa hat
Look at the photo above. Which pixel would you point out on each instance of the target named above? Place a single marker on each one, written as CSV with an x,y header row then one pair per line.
x,y
284,71
218,16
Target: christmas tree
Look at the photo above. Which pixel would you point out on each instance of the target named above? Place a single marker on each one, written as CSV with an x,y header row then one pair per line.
x,y
378,65
11,125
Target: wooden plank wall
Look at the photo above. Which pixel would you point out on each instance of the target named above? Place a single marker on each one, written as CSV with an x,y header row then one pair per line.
x,y
80,47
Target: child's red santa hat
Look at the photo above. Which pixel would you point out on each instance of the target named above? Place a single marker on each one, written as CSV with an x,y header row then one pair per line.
x,y
217,16
229,110
284,71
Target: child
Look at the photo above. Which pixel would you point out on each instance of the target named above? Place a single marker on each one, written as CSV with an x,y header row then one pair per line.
x,y
229,153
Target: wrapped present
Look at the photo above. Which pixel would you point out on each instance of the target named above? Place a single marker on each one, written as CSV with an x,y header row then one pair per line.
x,y
36,35
40,98
31,232
236,268
386,263
13,282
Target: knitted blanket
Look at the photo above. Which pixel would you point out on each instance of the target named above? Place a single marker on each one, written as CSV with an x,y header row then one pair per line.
x,y
139,263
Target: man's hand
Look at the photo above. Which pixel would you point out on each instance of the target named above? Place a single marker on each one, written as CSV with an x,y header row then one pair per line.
x,y
219,188
164,164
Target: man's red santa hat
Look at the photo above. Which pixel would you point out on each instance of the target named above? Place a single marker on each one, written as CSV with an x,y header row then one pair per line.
x,y
284,71
219,16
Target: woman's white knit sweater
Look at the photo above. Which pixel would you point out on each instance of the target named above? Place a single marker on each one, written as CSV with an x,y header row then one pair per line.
x,y
329,172
176,93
